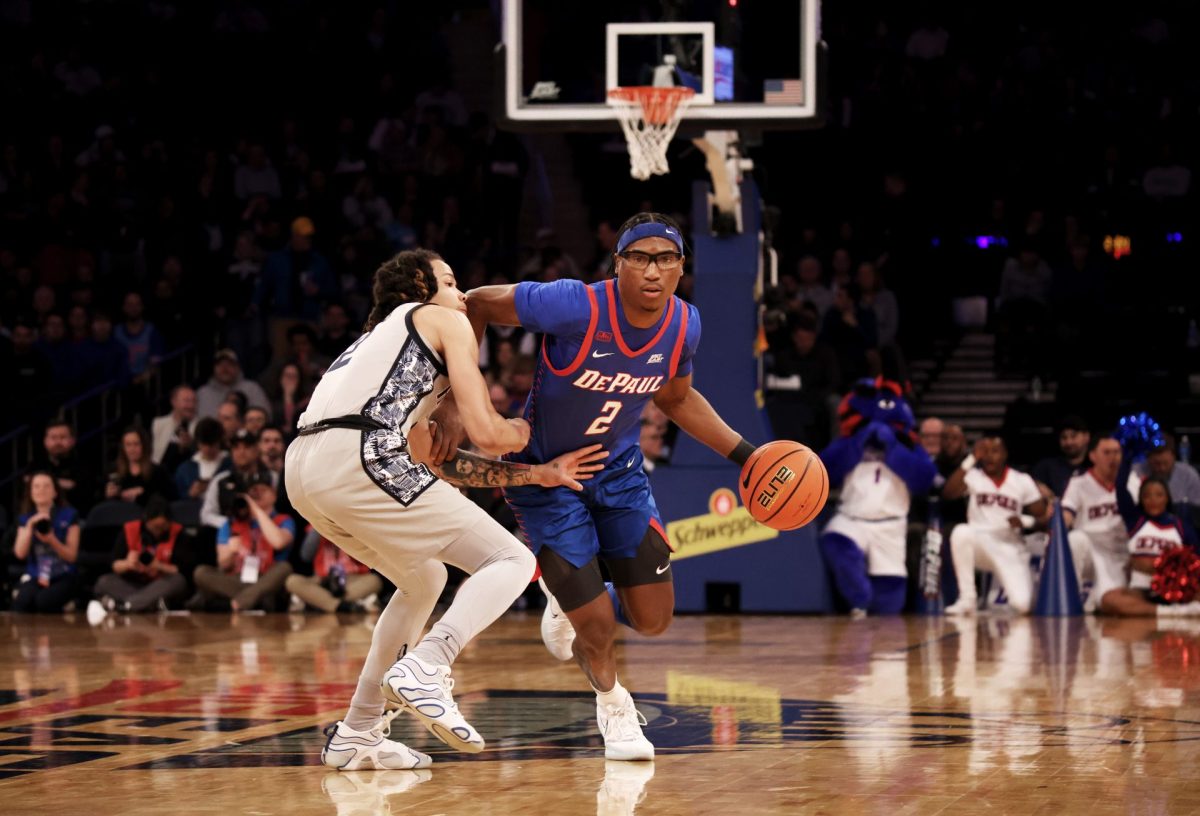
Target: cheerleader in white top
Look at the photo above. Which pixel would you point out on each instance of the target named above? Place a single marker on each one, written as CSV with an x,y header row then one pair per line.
x,y
991,539
1153,530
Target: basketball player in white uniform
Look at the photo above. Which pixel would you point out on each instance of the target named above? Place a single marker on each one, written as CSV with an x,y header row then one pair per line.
x,y
991,538
1098,536
349,474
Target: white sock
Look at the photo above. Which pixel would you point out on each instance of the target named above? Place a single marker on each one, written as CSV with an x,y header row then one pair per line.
x,y
441,645
614,696
399,626
500,568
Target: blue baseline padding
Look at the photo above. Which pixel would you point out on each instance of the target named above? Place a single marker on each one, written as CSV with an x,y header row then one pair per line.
x,y
786,574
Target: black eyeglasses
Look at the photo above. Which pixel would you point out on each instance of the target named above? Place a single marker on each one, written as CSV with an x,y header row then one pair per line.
x,y
663,260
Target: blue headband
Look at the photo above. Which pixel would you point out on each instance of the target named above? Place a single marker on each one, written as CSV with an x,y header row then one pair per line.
x,y
651,229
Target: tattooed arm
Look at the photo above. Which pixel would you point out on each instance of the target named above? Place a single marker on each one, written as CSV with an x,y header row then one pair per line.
x,y
467,469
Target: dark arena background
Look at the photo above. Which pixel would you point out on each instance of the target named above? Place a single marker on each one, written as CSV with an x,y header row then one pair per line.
x,y
950,247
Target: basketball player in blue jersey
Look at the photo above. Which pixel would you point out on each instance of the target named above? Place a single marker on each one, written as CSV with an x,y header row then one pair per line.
x,y
607,349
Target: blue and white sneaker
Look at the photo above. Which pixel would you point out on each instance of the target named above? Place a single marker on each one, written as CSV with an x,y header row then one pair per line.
x,y
425,691
350,750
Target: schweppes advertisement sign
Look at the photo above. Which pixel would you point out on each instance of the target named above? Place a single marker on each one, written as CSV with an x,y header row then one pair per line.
x,y
725,526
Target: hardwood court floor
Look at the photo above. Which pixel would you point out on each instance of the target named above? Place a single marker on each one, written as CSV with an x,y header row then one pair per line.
x,y
756,715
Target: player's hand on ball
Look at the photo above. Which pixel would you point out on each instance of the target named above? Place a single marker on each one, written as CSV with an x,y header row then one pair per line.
x,y
448,433
420,442
572,468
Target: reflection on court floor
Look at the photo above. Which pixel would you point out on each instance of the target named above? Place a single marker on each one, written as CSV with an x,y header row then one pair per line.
x,y
818,713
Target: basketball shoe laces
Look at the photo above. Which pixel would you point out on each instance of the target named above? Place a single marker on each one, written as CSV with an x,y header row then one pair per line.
x,y
447,684
623,721
384,726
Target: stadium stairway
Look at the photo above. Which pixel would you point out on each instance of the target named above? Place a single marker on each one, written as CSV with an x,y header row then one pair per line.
x,y
964,388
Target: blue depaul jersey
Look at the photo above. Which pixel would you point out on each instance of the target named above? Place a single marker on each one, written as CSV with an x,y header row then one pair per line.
x,y
596,371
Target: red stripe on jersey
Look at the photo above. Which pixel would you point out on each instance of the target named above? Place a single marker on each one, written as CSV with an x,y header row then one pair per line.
x,y
611,294
587,340
678,342
1175,525
1109,487
658,528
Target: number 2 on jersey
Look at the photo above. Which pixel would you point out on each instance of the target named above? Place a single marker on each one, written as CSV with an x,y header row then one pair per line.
x,y
345,356
607,414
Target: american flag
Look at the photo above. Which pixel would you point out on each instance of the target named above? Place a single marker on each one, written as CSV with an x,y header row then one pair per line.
x,y
783,91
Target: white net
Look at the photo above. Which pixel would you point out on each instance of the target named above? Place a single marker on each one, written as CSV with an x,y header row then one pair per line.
x,y
649,116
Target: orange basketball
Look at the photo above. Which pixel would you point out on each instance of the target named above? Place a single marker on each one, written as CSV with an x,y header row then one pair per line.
x,y
784,485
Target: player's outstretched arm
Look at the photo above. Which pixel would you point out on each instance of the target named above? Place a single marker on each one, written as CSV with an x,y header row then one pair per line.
x,y
467,469
687,408
492,304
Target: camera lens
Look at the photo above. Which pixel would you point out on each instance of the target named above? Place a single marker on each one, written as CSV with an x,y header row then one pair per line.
x,y
146,557
42,526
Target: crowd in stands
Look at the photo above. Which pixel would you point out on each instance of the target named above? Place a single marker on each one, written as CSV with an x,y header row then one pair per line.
x,y
239,206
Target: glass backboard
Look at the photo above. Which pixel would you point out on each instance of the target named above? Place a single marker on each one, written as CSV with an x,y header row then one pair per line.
x,y
752,63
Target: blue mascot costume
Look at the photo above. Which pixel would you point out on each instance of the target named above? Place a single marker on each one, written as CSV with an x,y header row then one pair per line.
x,y
878,466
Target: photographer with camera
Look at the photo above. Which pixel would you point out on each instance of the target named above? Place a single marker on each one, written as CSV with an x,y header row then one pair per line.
x,y
48,538
250,565
144,575
227,486
338,583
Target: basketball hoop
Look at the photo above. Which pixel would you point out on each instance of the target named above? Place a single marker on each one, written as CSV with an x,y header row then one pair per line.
x,y
649,116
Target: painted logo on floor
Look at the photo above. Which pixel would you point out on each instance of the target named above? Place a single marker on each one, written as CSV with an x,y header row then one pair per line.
x,y
280,725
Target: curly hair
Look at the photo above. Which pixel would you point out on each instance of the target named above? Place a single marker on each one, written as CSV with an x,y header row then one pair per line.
x,y
406,278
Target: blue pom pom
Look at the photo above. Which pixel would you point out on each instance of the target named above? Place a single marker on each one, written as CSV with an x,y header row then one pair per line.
x,y
1139,433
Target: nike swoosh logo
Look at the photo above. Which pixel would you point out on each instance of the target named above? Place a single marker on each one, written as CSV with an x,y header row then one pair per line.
x,y
598,355
662,569
629,465
746,482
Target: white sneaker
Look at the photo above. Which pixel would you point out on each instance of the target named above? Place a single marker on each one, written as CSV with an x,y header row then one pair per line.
x,y
370,603
963,606
557,632
350,750
858,613
96,613
1186,610
365,794
623,788
425,691
621,727
296,603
